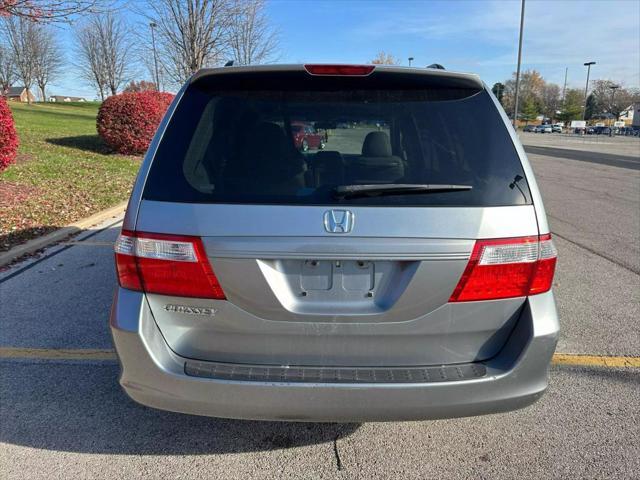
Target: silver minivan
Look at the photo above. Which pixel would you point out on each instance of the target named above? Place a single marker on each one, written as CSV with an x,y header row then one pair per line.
x,y
335,243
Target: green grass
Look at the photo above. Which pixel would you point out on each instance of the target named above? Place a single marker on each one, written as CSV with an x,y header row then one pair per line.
x,y
64,171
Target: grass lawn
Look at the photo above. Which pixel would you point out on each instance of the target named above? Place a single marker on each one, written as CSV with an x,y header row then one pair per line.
x,y
63,173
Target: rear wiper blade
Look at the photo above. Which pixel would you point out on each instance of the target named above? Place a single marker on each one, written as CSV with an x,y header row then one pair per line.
x,y
378,190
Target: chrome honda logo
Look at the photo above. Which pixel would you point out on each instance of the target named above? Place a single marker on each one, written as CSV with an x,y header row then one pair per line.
x,y
338,221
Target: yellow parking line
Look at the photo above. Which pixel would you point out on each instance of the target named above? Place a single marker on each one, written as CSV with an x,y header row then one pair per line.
x,y
109,354
595,360
59,354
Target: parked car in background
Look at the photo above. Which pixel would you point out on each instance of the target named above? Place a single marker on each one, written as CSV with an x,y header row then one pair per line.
x,y
529,128
306,137
543,129
556,128
627,131
601,130
366,283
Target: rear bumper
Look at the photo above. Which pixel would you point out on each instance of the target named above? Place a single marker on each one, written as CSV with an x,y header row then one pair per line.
x,y
153,375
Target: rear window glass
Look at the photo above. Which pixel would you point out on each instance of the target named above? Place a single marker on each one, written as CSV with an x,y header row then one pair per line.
x,y
296,146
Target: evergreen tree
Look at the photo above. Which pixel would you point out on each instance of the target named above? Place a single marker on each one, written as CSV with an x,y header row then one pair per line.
x,y
529,110
572,106
498,91
592,107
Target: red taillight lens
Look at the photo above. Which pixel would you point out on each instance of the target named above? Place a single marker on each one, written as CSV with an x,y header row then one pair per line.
x,y
506,268
165,264
353,70
547,259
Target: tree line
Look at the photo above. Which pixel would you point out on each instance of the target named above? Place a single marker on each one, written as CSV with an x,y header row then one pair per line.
x,y
539,97
29,53
171,40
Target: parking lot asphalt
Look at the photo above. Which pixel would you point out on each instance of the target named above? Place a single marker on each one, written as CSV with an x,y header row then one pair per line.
x,y
623,161
628,146
69,419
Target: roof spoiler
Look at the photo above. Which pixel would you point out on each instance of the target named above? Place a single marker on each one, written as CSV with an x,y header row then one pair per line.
x,y
437,76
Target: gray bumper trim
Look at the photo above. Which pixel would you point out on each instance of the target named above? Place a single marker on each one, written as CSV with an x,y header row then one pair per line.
x,y
298,374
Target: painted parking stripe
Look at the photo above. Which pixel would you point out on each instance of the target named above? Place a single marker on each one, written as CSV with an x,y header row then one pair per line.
x,y
109,354
59,354
595,360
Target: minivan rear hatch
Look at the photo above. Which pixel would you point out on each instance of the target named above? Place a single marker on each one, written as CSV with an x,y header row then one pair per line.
x,y
340,241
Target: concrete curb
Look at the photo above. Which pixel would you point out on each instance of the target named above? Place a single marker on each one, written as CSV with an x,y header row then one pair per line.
x,y
60,234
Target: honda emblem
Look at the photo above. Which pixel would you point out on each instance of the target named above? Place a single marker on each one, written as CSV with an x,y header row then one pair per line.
x,y
338,221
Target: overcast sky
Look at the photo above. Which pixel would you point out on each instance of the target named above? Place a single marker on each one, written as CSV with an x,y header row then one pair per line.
x,y
466,35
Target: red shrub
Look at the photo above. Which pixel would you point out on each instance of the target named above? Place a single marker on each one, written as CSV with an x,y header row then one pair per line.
x,y
127,122
8,136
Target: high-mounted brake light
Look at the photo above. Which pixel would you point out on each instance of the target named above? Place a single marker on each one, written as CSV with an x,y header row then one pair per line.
x,y
352,70
506,268
165,264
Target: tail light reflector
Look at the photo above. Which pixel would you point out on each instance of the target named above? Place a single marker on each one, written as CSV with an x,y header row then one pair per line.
x,y
165,264
506,268
349,70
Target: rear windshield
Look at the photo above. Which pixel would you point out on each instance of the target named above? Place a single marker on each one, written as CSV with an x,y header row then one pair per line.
x,y
295,146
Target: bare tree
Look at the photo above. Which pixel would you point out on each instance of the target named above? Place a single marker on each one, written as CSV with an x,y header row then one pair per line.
x,y
115,45
48,60
105,50
550,99
251,38
46,10
141,86
22,36
146,60
89,59
146,56
7,68
383,58
191,34
612,97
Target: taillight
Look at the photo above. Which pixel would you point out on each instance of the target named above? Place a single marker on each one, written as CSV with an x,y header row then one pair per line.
x,y
350,70
506,268
165,264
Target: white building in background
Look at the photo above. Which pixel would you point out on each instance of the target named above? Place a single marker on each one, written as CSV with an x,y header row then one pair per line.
x,y
62,98
631,115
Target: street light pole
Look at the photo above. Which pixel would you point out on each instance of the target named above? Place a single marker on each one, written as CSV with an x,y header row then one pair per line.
x,y
410,60
613,93
564,89
517,92
586,88
153,25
